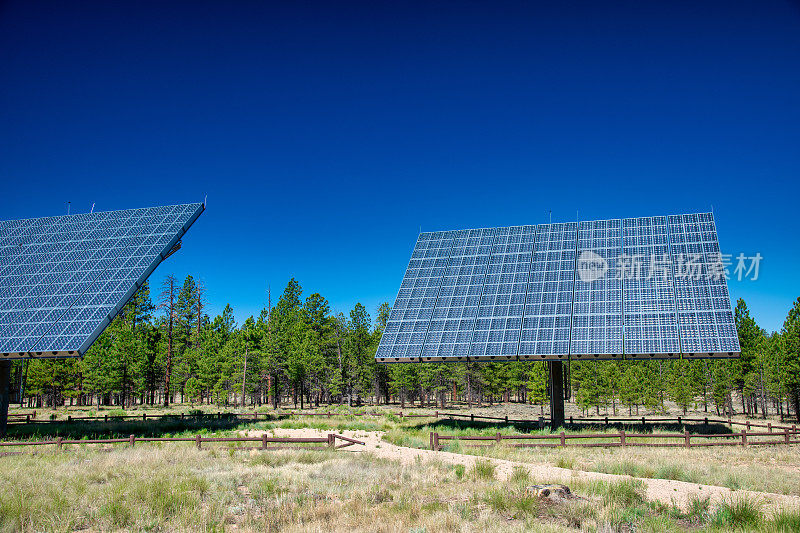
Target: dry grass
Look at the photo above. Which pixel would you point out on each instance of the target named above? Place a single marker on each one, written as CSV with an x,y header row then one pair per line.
x,y
177,487
181,488
763,469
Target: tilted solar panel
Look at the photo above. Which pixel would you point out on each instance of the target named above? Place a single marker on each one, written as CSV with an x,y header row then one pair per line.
x,y
63,279
602,289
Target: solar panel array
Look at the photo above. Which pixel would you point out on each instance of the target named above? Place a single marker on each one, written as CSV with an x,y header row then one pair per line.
x,y
636,288
63,279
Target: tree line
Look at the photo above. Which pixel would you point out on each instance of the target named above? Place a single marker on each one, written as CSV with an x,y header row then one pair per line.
x,y
299,352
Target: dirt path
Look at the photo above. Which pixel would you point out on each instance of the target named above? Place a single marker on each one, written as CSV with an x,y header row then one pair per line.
x,y
663,490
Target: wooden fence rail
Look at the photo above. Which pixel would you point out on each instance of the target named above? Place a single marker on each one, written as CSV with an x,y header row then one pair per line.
x,y
264,441
22,418
622,439
219,415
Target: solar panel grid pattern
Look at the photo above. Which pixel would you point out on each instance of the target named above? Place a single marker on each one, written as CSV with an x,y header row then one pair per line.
x,y
648,291
502,304
597,306
411,315
62,277
705,320
519,288
450,330
548,305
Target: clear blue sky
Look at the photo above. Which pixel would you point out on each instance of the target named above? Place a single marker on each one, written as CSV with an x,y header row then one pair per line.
x,y
326,134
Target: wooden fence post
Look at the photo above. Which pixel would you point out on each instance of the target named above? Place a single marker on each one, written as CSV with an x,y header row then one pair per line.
x,y
331,440
705,421
198,440
263,441
105,418
132,440
27,418
430,439
769,427
498,437
622,437
69,418
563,439
643,422
748,425
571,420
794,430
786,435
744,437
606,420
730,422
436,441
144,417
686,438
59,443
471,417
436,414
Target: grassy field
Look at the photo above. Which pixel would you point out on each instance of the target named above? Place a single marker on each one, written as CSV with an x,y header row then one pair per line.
x,y
180,488
176,487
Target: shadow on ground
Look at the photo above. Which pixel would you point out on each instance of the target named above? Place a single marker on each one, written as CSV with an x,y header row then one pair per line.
x,y
527,427
99,429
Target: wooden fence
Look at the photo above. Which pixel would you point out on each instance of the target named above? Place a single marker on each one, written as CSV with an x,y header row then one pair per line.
x,y
622,439
21,418
264,441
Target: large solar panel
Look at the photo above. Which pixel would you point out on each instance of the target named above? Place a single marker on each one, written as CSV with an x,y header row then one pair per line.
x,y
597,307
63,279
548,305
604,289
705,320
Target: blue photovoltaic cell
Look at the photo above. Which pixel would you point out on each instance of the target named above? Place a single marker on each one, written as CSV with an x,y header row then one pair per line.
x,y
597,306
705,320
413,309
601,289
63,279
450,330
648,293
503,300
548,305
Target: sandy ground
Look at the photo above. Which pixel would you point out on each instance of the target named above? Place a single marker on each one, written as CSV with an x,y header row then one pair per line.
x,y
663,490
